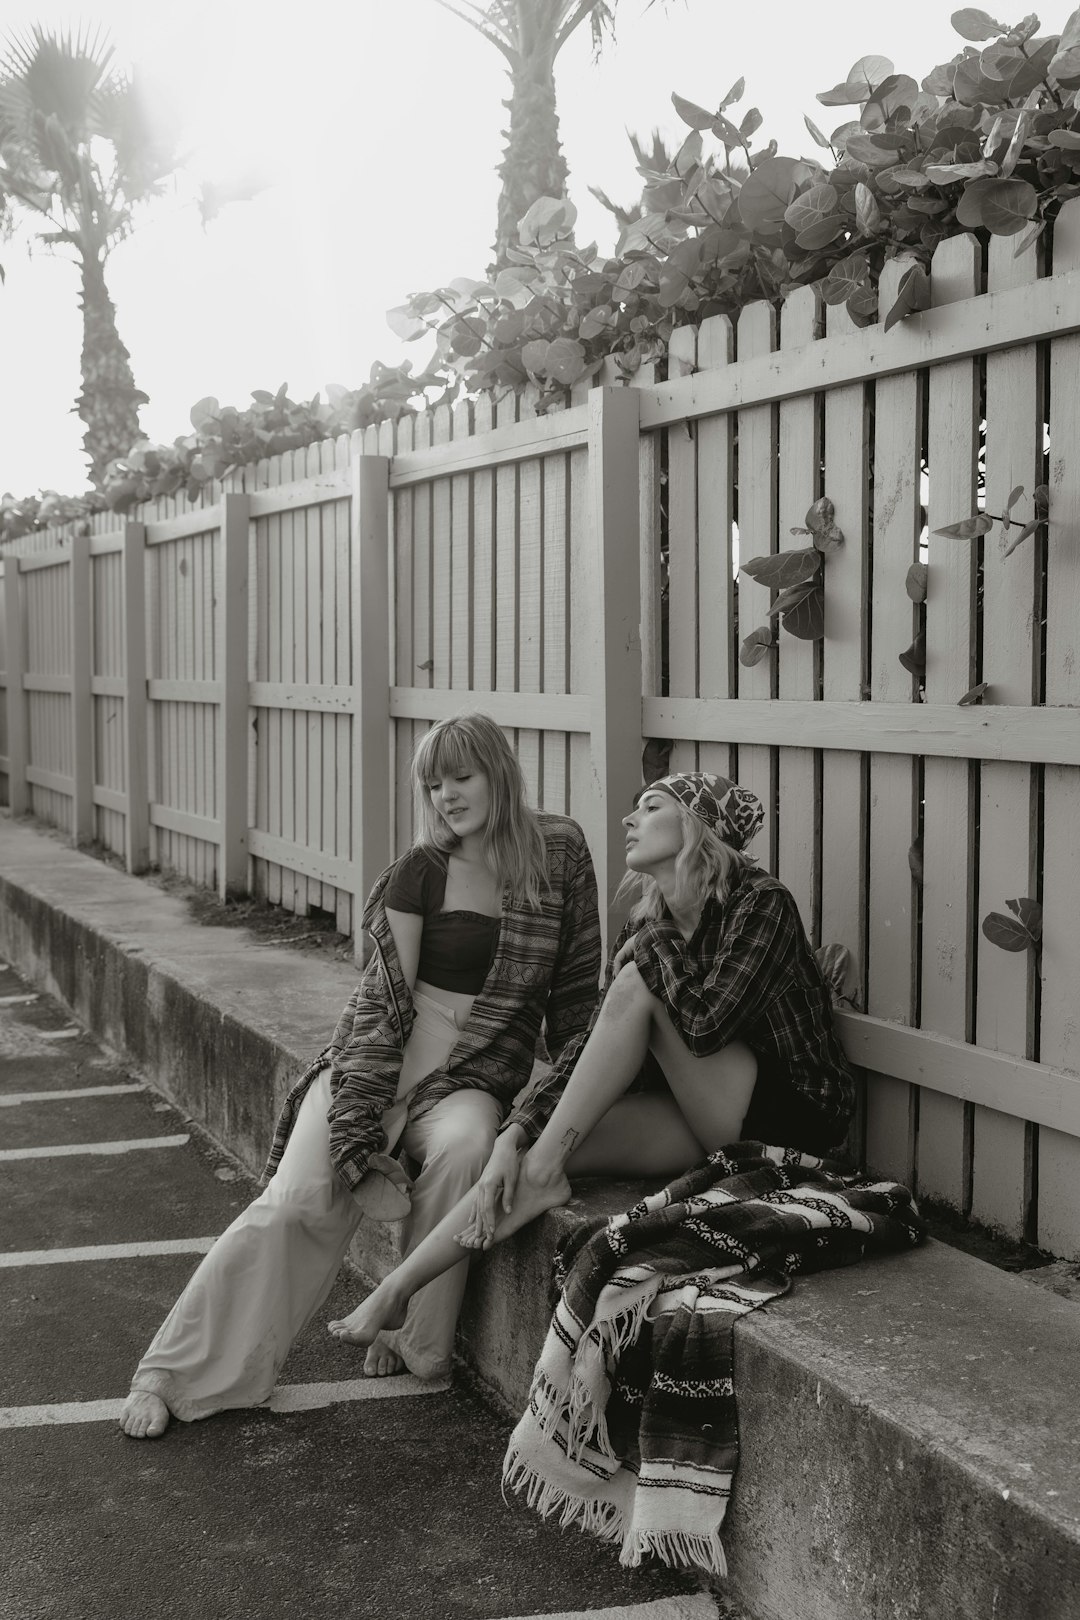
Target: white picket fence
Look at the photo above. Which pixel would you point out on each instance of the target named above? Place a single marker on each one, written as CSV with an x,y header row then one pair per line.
x,y
233,692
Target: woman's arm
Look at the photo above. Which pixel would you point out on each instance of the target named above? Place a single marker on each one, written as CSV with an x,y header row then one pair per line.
x,y
572,994
407,928
748,964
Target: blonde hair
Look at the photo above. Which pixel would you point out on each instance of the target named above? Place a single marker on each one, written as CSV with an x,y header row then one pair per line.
x,y
512,843
704,866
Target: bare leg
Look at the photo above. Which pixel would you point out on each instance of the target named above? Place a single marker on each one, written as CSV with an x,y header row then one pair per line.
x,y
709,1097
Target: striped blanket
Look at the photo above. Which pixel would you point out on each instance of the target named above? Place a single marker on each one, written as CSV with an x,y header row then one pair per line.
x,y
631,1428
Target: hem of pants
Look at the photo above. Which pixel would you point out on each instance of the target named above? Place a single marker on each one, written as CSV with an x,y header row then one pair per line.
x,y
163,1385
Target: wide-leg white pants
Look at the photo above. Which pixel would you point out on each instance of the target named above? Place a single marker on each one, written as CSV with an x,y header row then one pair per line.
x,y
224,1341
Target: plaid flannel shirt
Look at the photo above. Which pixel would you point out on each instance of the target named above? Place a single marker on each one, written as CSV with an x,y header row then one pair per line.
x,y
748,974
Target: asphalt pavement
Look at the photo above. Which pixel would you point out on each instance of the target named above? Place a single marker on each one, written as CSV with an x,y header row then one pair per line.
x,y
347,1497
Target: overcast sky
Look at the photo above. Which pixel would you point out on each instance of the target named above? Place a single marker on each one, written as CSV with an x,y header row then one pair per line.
x,y
377,125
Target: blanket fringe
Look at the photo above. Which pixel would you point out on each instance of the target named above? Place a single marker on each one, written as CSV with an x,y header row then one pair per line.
x,y
676,1548
603,1519
586,1420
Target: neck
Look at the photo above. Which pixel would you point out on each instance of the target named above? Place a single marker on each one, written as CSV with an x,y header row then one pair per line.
x,y
686,916
471,849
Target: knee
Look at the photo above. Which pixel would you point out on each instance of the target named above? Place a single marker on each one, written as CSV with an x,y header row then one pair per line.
x,y
630,989
461,1151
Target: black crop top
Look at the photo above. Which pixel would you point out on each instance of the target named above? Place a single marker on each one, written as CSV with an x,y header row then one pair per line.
x,y
456,947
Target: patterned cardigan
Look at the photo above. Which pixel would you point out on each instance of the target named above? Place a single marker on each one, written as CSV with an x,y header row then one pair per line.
x,y
544,971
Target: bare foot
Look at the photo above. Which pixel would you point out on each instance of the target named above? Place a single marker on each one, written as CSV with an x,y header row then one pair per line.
x,y
477,1234
144,1417
381,1309
538,1189
382,1362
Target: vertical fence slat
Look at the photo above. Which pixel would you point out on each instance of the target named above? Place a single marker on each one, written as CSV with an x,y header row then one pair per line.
x,y
843,777
136,760
371,675
613,539
232,721
1001,1181
1058,1226
799,809
756,335
14,668
714,610
81,707
890,1103
682,528
948,863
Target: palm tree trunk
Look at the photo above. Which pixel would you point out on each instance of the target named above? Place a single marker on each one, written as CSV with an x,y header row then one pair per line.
x,y
109,402
533,164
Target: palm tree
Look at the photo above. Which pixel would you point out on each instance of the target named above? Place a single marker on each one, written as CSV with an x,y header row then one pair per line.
x,y
530,34
78,152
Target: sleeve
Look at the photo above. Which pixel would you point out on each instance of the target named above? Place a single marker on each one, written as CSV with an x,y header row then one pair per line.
x,y
534,1109
710,1007
573,993
409,885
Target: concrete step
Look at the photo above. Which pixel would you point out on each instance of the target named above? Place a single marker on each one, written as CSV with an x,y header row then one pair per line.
x,y
909,1425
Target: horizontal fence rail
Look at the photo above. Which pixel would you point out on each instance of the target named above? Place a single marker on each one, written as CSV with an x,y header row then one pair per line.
x,y
233,690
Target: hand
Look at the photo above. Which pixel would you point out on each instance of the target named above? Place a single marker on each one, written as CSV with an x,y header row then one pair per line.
x,y
494,1192
624,954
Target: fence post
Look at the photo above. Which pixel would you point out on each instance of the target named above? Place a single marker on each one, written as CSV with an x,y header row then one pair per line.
x,y
371,779
615,523
82,697
137,828
232,662
15,665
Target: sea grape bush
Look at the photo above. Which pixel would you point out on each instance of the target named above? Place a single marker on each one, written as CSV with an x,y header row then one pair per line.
x,y
988,142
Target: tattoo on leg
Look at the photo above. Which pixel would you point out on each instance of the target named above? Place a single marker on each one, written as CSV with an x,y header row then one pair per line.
x,y
570,1140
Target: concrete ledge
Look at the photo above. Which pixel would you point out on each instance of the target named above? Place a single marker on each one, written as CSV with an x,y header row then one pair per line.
x,y
909,1426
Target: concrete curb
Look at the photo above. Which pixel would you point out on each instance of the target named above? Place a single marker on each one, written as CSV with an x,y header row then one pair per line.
x,y
909,1426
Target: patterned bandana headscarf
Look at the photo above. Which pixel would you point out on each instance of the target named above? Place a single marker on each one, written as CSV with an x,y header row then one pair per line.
x,y
734,813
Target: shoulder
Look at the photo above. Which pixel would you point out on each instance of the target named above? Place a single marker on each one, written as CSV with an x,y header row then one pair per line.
x,y
412,880
565,846
757,893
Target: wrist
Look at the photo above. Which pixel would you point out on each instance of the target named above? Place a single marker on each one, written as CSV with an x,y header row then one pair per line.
x,y
514,1136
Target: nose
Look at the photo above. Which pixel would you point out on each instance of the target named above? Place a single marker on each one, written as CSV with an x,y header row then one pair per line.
x,y
628,821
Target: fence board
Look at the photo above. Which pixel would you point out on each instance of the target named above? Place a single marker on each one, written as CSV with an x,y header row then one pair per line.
x,y
798,660
844,777
946,893
1012,608
892,789
682,528
757,494
715,606
1058,1227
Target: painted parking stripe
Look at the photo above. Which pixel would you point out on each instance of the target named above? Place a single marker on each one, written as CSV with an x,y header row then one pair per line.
x,y
69,1148
286,1398
697,1606
16,1001
14,1097
108,1251
57,1034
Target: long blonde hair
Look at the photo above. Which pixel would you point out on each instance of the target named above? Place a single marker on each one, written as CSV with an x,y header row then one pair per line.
x,y
512,843
704,866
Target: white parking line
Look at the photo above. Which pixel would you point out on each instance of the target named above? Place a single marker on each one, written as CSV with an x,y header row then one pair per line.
x,y
286,1398
108,1251
699,1606
94,1147
14,1097
16,1001
58,1034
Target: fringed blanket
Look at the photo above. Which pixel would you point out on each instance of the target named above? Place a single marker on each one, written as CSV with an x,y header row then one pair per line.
x,y
631,1428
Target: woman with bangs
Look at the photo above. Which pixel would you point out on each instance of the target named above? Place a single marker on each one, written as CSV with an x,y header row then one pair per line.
x,y
484,934
714,1026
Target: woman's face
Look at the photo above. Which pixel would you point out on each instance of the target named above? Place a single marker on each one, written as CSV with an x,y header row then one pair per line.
x,y
462,799
654,832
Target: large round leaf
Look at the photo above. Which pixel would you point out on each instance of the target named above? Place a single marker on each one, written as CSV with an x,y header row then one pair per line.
x,y
1002,207
769,190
